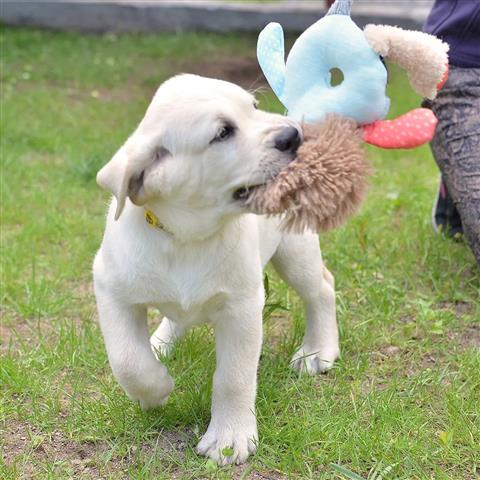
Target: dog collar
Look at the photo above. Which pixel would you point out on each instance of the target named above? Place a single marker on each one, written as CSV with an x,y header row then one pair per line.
x,y
154,222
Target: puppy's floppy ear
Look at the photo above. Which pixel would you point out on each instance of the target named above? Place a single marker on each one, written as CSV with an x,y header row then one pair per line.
x,y
123,174
423,56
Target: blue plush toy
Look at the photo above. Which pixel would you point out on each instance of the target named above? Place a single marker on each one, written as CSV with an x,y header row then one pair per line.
x,y
335,43
303,84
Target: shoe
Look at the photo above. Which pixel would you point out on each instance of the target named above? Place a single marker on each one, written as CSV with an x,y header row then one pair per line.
x,y
445,216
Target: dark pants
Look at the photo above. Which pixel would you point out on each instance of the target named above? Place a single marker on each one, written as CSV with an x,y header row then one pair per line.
x,y
456,146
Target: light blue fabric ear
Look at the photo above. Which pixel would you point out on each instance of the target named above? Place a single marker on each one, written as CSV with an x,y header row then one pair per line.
x,y
271,56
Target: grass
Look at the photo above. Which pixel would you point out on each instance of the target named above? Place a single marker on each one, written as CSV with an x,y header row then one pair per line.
x,y
403,401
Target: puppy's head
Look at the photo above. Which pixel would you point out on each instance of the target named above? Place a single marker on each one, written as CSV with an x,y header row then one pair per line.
x,y
202,146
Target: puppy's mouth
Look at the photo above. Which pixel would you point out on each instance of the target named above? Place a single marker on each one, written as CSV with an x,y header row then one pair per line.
x,y
242,194
270,172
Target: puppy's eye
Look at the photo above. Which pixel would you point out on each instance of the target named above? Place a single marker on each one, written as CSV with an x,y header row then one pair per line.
x,y
255,105
225,132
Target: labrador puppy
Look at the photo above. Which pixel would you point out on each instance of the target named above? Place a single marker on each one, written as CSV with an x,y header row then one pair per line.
x,y
179,237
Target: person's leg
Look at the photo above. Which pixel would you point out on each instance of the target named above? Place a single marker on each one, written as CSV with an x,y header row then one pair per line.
x,y
456,147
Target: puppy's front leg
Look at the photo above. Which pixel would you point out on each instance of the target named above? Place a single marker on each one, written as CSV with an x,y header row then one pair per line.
x,y
232,433
133,363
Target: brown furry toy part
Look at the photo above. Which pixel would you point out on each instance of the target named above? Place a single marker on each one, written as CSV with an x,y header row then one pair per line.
x,y
324,185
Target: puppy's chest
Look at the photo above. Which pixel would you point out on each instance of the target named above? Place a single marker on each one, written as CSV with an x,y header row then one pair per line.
x,y
182,288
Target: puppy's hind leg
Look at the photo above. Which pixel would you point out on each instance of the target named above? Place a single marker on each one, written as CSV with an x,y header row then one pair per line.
x,y
299,262
164,337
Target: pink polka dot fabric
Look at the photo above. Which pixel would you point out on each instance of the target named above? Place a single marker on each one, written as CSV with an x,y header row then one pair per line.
x,y
407,131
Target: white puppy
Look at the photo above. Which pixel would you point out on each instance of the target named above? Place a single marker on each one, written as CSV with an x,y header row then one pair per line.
x,y
178,236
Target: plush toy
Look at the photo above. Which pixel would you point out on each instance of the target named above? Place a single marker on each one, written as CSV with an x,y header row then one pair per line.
x,y
327,181
336,44
324,184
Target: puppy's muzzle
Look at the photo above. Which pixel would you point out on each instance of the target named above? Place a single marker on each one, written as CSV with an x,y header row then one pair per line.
x,y
288,140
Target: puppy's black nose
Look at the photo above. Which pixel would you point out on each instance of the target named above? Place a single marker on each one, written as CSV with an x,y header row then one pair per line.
x,y
288,140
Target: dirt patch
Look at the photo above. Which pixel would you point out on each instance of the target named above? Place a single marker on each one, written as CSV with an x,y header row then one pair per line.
x,y
243,71
404,356
276,328
242,472
389,350
23,440
467,337
27,446
391,360
82,291
460,309
379,379
15,329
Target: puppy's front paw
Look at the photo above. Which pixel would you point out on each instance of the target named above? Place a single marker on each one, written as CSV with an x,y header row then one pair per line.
x,y
152,391
312,362
231,444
